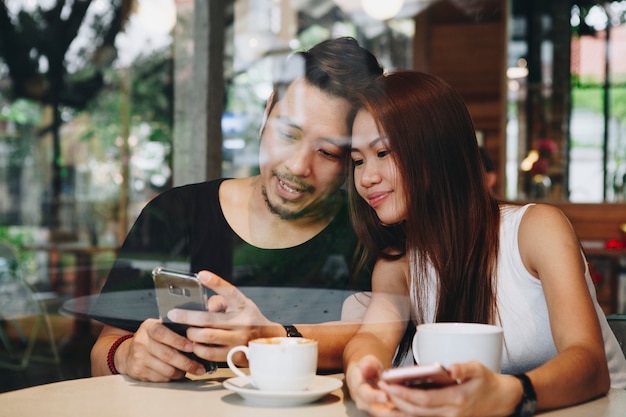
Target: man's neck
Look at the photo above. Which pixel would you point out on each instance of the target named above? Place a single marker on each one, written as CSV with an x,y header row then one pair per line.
x,y
258,225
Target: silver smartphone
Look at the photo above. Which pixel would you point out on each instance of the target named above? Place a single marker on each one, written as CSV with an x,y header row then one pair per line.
x,y
175,289
419,376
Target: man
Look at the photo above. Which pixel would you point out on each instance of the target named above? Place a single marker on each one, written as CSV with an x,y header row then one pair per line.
x,y
287,226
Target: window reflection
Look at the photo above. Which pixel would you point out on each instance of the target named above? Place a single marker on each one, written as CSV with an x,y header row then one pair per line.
x,y
123,138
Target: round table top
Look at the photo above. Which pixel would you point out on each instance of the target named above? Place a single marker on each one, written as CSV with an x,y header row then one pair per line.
x,y
118,395
279,304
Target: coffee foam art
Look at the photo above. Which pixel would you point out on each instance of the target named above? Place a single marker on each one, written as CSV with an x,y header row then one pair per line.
x,y
283,341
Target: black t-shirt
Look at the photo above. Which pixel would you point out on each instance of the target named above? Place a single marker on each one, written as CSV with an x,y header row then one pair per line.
x,y
185,227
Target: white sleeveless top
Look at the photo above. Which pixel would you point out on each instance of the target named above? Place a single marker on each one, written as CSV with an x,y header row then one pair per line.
x,y
523,311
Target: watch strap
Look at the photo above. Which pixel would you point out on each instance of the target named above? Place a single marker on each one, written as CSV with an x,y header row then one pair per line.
x,y
528,404
292,331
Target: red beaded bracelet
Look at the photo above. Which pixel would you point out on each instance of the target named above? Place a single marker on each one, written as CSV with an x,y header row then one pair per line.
x,y
112,350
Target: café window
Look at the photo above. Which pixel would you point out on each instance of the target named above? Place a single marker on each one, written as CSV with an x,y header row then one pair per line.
x,y
116,149
566,119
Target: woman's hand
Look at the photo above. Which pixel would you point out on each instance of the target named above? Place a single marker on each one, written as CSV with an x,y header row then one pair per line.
x,y
480,393
362,379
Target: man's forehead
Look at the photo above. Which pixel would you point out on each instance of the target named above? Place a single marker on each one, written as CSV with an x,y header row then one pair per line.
x,y
294,102
303,101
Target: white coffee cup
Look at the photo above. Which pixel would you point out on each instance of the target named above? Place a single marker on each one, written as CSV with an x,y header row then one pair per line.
x,y
449,343
278,363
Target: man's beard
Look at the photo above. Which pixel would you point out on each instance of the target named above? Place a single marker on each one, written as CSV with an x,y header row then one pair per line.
x,y
285,214
318,209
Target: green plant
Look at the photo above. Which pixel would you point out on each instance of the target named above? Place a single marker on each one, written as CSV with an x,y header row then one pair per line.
x,y
19,237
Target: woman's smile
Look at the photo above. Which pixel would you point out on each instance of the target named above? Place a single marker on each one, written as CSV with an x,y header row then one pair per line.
x,y
376,198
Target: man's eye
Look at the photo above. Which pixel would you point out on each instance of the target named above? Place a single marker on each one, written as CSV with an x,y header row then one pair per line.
x,y
286,135
328,154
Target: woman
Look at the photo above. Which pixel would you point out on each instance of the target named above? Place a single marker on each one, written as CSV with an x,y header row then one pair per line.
x,y
448,251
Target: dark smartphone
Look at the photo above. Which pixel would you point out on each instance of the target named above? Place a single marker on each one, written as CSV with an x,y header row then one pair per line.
x,y
175,289
419,376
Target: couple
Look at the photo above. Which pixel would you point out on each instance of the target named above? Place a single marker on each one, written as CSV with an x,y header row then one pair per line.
x,y
413,151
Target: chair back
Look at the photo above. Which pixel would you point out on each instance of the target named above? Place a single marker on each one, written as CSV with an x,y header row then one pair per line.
x,y
23,312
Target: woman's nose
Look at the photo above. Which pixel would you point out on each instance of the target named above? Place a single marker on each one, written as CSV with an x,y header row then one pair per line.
x,y
370,175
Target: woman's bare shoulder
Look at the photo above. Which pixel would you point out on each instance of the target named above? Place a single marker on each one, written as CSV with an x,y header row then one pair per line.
x,y
544,215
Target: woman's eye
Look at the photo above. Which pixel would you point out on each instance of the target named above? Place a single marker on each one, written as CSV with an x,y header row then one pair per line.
x,y
357,162
382,154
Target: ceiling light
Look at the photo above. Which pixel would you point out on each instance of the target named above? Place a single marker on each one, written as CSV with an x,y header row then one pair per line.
x,y
382,10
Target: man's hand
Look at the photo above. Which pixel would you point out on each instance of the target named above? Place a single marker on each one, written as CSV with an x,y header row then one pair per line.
x,y
232,319
154,354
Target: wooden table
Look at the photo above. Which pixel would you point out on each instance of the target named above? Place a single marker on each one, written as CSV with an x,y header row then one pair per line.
x,y
120,396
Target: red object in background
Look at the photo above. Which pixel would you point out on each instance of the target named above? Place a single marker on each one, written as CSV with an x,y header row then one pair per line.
x,y
614,244
596,276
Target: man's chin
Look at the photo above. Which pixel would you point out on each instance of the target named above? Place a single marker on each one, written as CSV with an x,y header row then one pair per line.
x,y
286,214
282,211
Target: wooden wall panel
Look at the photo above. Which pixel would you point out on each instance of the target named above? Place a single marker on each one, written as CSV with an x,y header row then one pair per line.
x,y
595,221
470,55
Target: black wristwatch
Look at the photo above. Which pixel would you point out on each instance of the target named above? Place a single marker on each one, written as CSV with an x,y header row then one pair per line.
x,y
528,404
292,331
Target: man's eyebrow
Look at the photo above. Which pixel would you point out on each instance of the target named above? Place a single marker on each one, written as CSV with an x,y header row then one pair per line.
x,y
372,143
287,121
341,142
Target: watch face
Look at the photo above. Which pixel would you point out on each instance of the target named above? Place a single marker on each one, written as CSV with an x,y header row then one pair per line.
x,y
528,408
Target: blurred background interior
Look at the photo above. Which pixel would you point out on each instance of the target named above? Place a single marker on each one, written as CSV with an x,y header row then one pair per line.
x,y
105,103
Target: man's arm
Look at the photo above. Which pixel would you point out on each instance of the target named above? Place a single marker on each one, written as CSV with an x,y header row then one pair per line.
x,y
234,319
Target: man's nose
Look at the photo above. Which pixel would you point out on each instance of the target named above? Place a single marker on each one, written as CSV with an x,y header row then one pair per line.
x,y
299,163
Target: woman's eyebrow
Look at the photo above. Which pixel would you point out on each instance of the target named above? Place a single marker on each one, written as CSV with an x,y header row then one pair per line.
x,y
373,143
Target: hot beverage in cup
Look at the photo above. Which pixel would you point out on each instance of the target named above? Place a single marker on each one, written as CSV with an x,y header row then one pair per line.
x,y
448,343
278,363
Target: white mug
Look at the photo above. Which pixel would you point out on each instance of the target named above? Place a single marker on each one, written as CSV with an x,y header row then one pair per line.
x,y
278,363
449,343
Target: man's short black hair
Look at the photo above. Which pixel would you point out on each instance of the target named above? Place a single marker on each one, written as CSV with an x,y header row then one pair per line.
x,y
339,67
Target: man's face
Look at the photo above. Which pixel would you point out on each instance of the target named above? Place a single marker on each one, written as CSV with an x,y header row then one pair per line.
x,y
303,150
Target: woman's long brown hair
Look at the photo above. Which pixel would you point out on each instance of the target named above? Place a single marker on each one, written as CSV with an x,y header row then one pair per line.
x,y
453,219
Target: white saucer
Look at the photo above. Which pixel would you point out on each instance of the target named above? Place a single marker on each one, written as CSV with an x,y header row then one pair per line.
x,y
320,386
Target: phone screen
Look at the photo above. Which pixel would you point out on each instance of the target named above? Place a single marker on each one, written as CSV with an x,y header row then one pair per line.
x,y
419,376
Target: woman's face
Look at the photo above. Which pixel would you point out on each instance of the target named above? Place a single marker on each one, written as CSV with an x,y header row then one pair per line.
x,y
376,175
